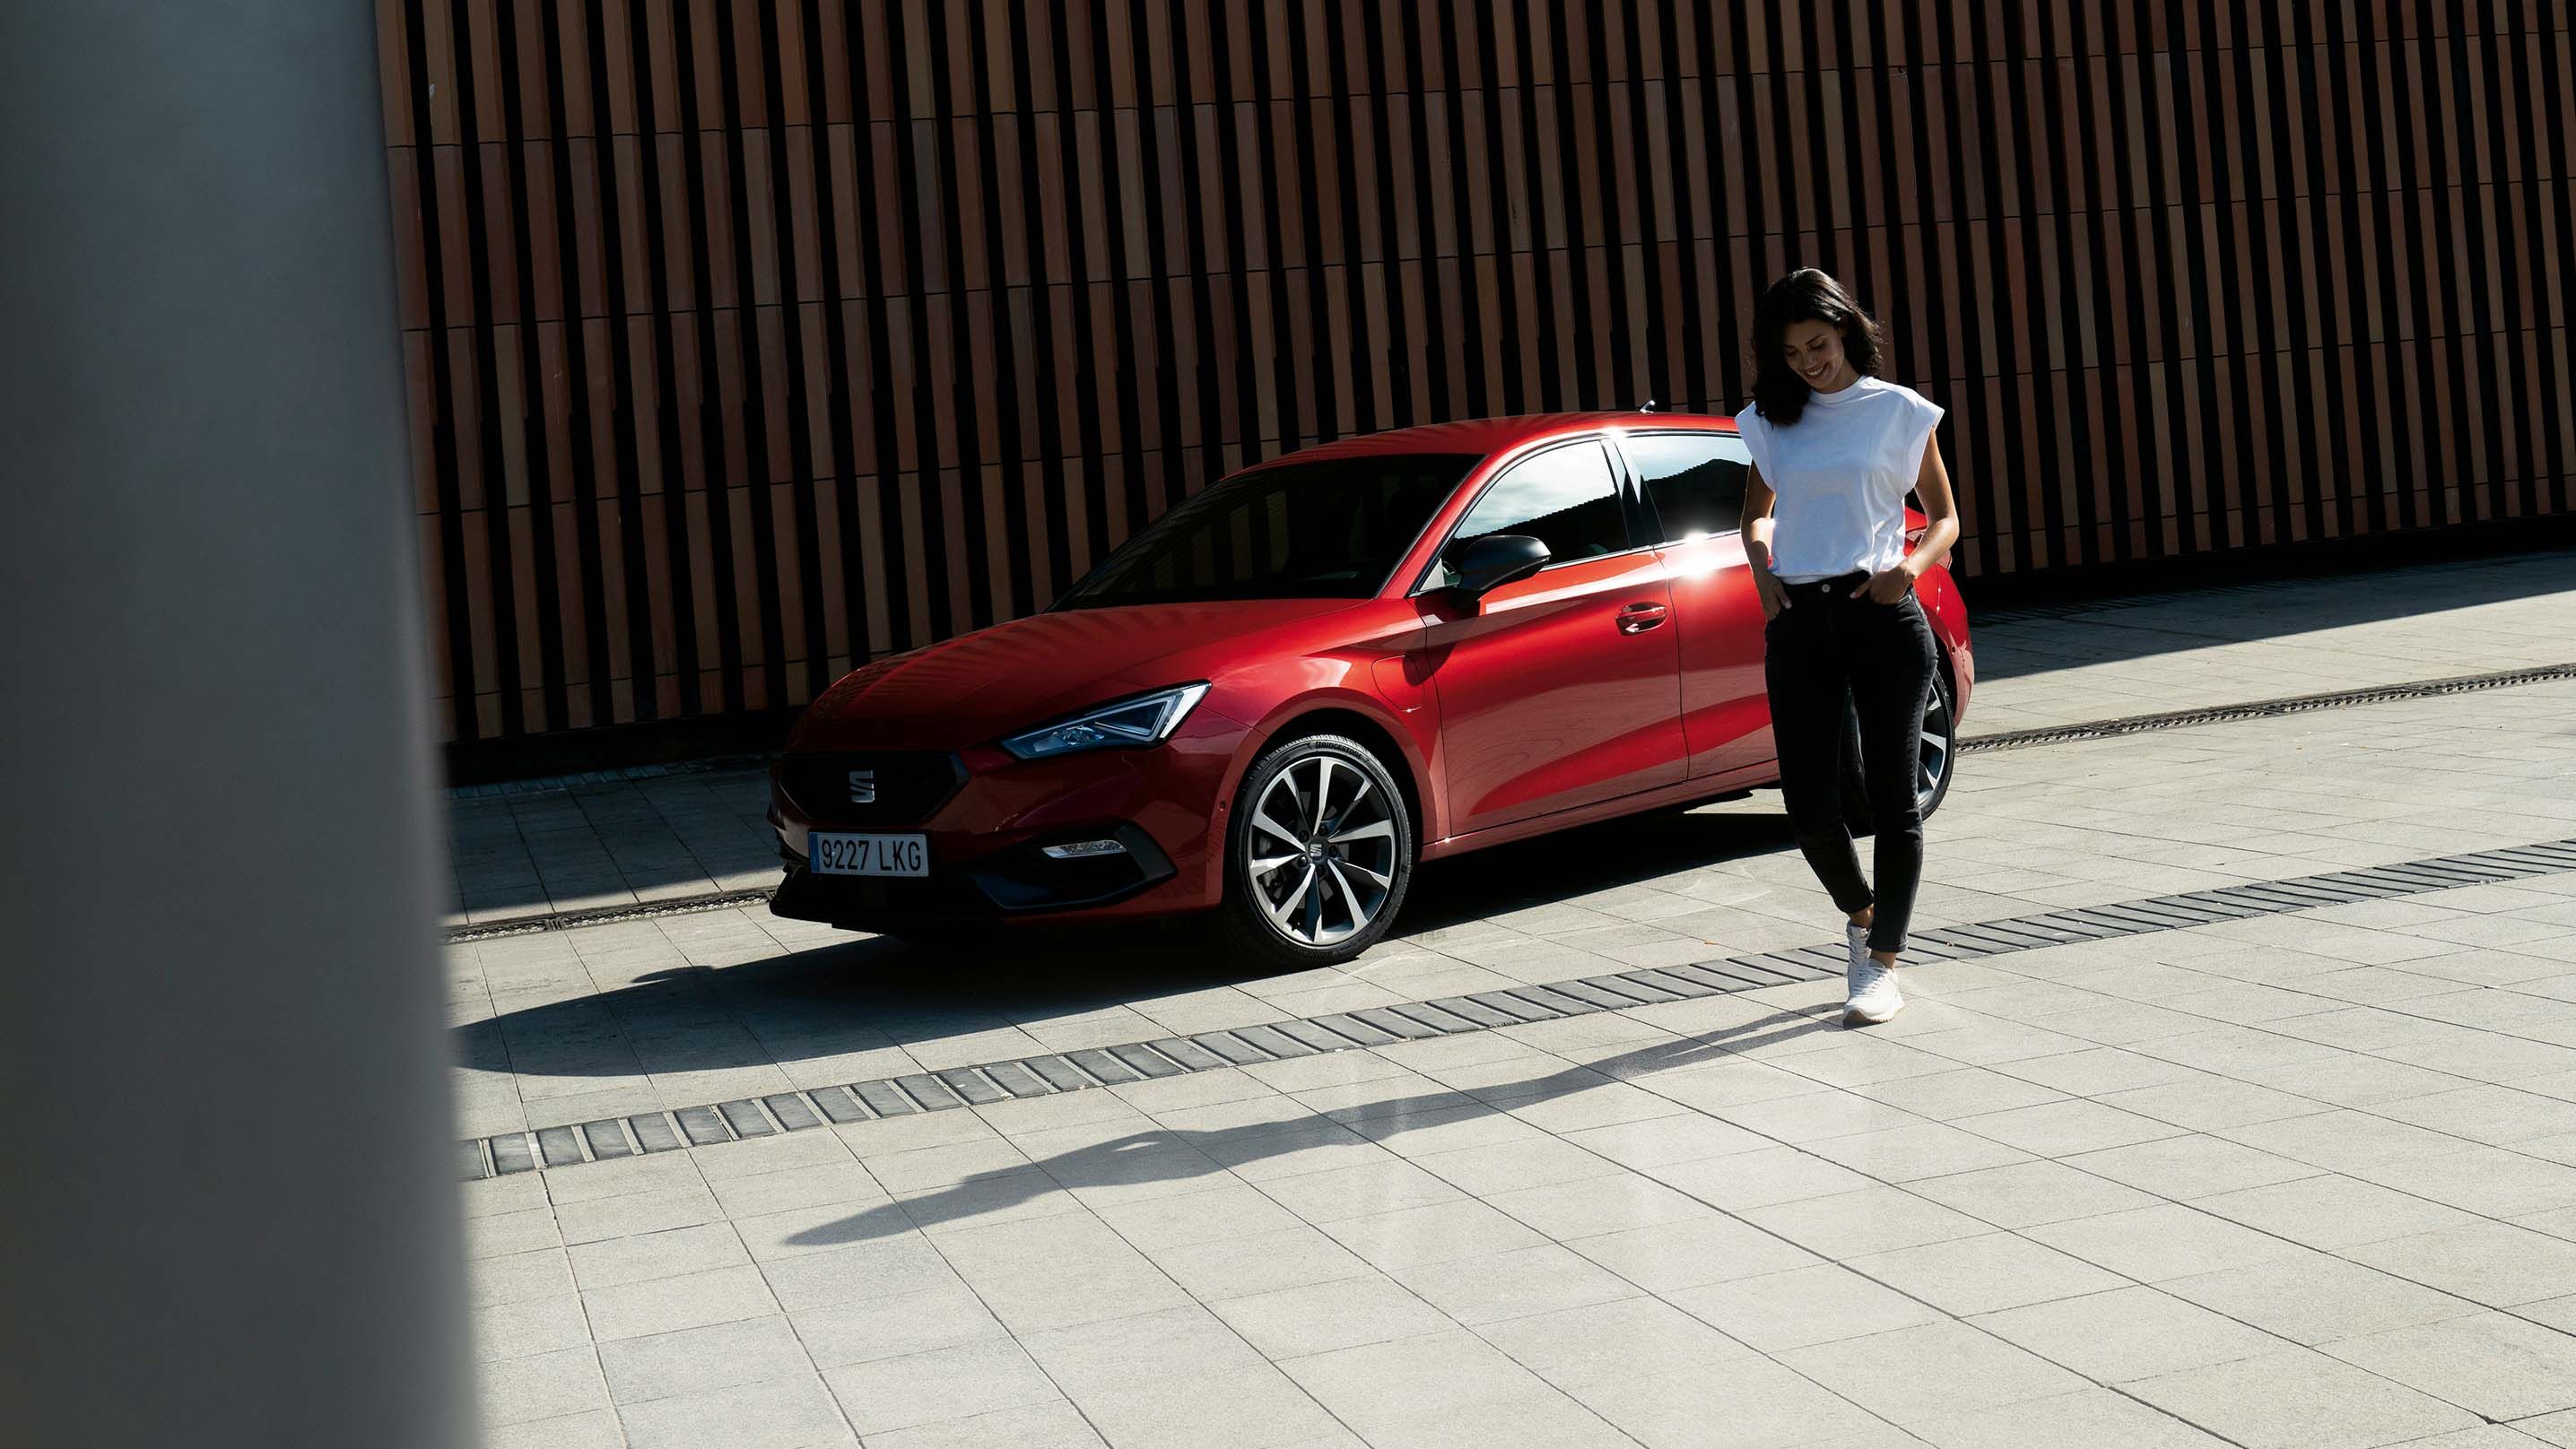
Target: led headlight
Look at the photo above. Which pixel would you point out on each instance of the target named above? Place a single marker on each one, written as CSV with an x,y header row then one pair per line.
x,y
1121,724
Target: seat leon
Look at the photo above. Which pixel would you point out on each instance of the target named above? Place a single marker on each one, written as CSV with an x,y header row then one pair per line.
x,y
1309,678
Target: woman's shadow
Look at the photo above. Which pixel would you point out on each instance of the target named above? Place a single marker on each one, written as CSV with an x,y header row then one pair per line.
x,y
1166,1154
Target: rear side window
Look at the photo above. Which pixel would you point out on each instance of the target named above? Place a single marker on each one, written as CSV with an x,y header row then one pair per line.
x,y
1565,498
1694,480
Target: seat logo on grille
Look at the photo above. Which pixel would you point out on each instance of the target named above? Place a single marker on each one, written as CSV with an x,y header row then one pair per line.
x,y
863,787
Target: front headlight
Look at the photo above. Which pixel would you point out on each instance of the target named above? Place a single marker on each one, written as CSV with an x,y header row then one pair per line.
x,y
1121,724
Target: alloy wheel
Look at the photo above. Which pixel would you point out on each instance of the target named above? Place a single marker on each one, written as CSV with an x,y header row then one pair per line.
x,y
1934,763
1322,855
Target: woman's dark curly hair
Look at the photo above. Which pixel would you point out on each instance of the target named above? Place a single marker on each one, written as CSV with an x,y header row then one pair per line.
x,y
1805,295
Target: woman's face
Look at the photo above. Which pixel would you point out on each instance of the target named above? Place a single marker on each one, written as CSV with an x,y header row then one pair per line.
x,y
1815,353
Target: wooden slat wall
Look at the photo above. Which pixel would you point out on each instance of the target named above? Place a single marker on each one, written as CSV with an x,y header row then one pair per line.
x,y
751,338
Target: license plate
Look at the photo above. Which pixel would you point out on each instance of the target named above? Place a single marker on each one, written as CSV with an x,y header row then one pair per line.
x,y
839,854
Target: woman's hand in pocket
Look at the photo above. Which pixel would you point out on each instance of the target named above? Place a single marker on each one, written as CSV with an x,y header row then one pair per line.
x,y
1773,593
1887,586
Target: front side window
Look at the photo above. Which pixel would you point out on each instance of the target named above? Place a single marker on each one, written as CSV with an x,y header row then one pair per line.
x,y
1694,480
1566,498
1331,529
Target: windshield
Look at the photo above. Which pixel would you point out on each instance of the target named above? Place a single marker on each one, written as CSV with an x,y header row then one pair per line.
x,y
1332,529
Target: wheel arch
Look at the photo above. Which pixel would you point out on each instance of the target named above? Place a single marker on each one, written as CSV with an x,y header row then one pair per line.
x,y
1334,719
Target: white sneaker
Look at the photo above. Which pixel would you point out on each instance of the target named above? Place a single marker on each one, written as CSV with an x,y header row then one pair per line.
x,y
1873,996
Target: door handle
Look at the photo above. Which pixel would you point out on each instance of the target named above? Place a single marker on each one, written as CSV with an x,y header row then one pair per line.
x,y
1638,618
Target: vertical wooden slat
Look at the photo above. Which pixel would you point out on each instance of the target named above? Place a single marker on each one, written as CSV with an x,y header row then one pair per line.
x,y
746,342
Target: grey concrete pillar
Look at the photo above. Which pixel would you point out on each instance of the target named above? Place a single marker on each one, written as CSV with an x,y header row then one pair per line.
x,y
227,1213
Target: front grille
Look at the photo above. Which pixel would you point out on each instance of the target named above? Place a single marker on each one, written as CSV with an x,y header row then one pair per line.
x,y
910,787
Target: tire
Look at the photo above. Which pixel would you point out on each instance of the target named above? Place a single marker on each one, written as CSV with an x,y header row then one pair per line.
x,y
1296,896
1932,765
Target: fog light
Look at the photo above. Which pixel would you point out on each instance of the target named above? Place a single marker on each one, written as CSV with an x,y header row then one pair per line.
x,y
1084,849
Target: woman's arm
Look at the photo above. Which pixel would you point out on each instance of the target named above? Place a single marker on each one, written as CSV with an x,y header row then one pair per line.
x,y
1932,485
1758,500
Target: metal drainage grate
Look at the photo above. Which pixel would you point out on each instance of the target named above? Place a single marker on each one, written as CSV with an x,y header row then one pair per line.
x,y
2264,708
1073,1071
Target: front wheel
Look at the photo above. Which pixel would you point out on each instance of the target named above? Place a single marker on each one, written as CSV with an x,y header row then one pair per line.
x,y
1931,764
1318,854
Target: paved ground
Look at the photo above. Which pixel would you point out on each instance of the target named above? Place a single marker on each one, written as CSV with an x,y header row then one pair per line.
x,y
2301,1180
620,842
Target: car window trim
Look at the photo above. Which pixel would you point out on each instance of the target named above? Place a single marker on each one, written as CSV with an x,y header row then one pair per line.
x,y
1619,482
1645,501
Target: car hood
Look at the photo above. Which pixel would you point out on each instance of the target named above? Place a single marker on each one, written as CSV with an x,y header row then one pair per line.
x,y
980,686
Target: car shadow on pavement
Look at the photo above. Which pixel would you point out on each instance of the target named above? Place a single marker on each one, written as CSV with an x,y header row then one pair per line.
x,y
1164,1154
872,991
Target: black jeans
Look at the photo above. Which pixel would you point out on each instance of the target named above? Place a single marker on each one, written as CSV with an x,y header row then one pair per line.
x,y
1828,656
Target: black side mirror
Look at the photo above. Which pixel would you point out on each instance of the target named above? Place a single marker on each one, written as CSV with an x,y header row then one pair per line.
x,y
1488,563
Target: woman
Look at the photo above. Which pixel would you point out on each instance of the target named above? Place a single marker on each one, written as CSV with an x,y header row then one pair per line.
x,y
1834,451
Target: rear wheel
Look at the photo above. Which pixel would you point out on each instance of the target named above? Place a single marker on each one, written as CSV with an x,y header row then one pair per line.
x,y
1318,855
1931,765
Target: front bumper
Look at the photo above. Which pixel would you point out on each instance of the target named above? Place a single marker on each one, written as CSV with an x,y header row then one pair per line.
x,y
1016,881
987,816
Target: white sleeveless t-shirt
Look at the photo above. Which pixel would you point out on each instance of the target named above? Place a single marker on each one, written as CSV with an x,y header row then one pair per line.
x,y
1841,473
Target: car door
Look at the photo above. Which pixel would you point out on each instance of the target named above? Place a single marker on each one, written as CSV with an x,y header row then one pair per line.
x,y
1693,486
1559,690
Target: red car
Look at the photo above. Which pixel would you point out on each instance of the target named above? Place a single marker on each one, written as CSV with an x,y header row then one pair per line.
x,y
1296,686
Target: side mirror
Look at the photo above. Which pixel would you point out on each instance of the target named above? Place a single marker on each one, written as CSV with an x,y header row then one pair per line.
x,y
1494,560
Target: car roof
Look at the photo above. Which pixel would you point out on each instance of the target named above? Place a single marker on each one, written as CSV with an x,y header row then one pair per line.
x,y
1484,437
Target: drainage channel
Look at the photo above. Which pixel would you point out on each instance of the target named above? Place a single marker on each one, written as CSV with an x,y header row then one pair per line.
x,y
1074,1071
541,921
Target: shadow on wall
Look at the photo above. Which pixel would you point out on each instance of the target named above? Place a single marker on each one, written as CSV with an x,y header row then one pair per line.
x,y
2014,645
872,992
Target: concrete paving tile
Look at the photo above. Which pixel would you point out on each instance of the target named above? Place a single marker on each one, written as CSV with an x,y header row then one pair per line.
x,y
2165,1241
593,1429
1212,1214
857,1272
2299,1399
959,1381
2128,1333
1687,1136
839,1184
614,1261
2060,1129
1983,1274
701,1360
1290,1257
2088,1416
1966,1092
1911,1375
1569,1210
2494,1365
761,1156
2332,1212
1602,1343
1256,1407
662,1172
1512,1284
1381,1185
887,1136
890,1325
2190,1167
1687,1253
542,1386
541,1273
2494,1263
666,1305
1743,1181
635,1214
2029,1194
2311,1298
499,1235
1168,1343
1816,1115
1056,1425
790,1413
1741,1403
2207,1103
1917,1150
529,1326
1826,1303
1324,1317
1874,1219
1381,1390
